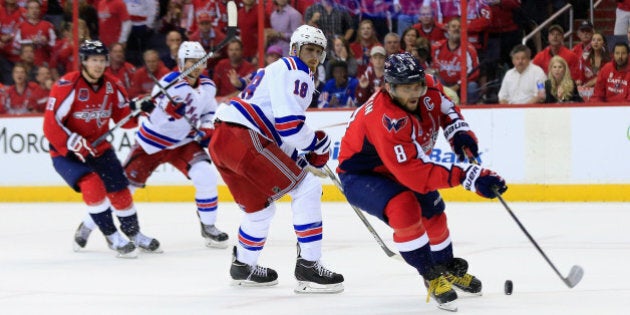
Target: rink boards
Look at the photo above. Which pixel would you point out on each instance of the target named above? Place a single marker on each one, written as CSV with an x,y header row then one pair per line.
x,y
557,153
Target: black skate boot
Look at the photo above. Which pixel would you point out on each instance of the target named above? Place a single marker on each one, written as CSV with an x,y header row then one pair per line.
x,y
146,243
123,247
251,276
312,277
457,274
214,237
441,290
81,237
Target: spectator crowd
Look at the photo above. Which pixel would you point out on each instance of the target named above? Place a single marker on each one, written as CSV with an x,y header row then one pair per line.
x,y
143,36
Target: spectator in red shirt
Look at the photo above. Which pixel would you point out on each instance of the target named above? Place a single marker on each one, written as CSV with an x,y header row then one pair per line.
x,y
361,47
408,40
141,83
114,23
119,67
446,61
11,16
27,59
585,34
38,32
427,27
44,81
614,78
21,98
556,47
234,62
208,36
248,26
373,78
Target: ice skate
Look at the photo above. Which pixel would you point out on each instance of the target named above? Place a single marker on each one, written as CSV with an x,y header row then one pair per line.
x,y
312,277
462,281
214,237
440,289
123,247
251,276
81,237
146,244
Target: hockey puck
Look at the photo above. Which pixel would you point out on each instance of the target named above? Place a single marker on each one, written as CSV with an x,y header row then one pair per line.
x,y
508,287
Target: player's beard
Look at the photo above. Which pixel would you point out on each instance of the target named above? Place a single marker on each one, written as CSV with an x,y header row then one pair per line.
x,y
90,77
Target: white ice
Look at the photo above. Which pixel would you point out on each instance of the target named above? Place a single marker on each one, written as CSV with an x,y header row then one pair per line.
x,y
40,274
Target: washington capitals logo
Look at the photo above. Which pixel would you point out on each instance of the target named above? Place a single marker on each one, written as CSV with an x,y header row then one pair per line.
x,y
394,124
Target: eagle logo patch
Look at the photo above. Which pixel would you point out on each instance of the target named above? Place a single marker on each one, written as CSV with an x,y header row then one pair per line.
x,y
394,124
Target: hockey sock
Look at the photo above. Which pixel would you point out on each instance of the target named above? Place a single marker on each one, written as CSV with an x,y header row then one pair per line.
x,y
440,239
204,179
103,220
419,258
252,234
307,217
128,222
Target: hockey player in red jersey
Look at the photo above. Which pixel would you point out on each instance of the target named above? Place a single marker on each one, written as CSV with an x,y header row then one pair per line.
x,y
385,170
78,112
254,147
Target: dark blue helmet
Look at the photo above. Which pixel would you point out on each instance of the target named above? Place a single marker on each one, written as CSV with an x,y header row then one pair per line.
x,y
403,69
92,48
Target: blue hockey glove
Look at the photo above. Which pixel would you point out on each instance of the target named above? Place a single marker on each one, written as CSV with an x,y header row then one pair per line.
x,y
482,181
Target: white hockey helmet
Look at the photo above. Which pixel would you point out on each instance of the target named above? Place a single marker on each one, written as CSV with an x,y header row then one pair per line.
x,y
189,50
307,34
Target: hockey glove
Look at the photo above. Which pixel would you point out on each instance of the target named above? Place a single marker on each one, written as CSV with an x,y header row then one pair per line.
x,y
322,143
465,141
80,147
482,181
317,160
175,110
205,137
146,105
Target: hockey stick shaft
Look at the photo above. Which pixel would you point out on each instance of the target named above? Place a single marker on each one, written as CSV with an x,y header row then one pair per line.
x,y
231,33
576,273
365,221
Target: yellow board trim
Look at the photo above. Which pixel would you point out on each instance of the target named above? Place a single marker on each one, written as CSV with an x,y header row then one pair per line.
x,y
531,193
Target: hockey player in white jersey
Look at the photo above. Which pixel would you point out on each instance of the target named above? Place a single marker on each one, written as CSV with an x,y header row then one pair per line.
x,y
256,144
176,132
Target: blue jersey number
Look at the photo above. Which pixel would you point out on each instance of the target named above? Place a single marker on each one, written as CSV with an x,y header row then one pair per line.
x,y
248,92
300,88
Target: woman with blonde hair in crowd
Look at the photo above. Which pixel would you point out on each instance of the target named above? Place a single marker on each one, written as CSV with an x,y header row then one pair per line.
x,y
560,87
366,39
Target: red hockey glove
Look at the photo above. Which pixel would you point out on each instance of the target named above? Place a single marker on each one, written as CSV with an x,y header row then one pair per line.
x,y
205,136
482,181
322,143
175,110
80,147
317,160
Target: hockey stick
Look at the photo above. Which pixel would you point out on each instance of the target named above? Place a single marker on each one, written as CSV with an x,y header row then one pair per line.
x,y
575,274
365,221
230,34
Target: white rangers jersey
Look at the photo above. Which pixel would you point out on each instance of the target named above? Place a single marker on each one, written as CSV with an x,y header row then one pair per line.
x,y
274,104
161,131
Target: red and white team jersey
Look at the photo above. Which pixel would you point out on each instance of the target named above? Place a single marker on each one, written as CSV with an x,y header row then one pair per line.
x,y
77,106
9,22
62,57
161,131
111,16
124,73
274,104
448,65
24,102
41,35
383,138
142,12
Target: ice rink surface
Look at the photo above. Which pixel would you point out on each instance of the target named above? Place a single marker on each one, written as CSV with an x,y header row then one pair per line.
x,y
40,274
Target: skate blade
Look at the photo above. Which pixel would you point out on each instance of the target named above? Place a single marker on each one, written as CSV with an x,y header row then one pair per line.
x,y
449,306
306,287
216,244
462,293
155,251
76,247
130,255
248,283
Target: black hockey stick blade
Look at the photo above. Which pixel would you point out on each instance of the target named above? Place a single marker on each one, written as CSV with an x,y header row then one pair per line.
x,y
365,221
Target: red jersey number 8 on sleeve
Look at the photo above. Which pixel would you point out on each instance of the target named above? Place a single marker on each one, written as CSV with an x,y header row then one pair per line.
x,y
401,156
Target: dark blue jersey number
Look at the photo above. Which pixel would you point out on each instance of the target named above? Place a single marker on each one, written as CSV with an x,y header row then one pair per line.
x,y
248,92
300,88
